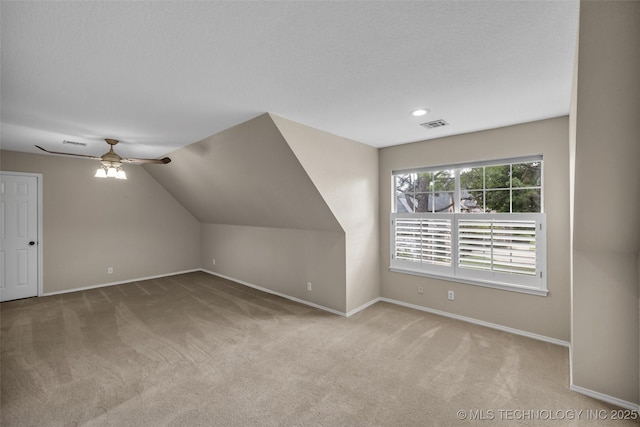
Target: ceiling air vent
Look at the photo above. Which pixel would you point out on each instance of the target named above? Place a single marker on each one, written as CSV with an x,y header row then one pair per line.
x,y
434,124
84,144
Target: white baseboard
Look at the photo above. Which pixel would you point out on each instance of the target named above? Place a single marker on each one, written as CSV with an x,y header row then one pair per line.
x,y
479,322
121,282
404,304
272,292
605,398
362,307
289,297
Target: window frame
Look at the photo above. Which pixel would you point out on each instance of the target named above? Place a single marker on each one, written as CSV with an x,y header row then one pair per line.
x,y
535,284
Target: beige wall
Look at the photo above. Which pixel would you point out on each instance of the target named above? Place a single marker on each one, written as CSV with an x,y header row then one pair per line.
x,y
245,175
605,323
259,182
548,316
346,174
605,320
282,260
90,224
263,219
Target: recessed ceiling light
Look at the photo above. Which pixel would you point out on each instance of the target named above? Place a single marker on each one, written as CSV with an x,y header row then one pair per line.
x,y
419,112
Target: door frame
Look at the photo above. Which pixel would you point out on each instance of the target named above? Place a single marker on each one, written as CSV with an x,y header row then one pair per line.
x,y
38,177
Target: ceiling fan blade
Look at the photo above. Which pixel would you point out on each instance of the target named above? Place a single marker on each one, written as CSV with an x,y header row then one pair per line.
x,y
162,161
68,154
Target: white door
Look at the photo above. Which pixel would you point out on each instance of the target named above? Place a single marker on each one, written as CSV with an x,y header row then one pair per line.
x,y
18,236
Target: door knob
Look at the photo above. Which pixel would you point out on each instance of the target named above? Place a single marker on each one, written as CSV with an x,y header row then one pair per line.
x,y
32,243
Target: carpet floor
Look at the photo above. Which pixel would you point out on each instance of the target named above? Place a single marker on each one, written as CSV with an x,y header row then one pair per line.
x,y
197,350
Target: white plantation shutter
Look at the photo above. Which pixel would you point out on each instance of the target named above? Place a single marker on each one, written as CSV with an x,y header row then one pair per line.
x,y
408,239
422,239
500,250
508,249
503,245
514,246
436,241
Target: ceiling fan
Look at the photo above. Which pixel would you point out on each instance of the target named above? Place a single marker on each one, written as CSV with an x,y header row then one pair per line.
x,y
111,162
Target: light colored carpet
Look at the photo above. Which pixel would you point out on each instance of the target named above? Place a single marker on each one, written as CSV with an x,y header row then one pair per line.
x,y
196,350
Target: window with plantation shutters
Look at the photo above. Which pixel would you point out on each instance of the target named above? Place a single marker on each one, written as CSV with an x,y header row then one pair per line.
x,y
476,223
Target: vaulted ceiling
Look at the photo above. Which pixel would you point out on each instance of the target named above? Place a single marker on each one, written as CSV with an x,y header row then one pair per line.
x,y
162,75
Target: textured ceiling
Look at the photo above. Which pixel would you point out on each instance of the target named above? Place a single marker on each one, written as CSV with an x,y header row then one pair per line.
x,y
161,75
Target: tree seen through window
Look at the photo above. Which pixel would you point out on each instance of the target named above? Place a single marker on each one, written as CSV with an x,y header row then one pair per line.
x,y
514,187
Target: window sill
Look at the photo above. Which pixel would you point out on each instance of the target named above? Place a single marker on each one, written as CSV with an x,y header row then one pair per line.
x,y
483,283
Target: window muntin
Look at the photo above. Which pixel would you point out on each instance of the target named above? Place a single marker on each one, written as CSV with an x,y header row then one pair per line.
x,y
425,191
501,244
507,188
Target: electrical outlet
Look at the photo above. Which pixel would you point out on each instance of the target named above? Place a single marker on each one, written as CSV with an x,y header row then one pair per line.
x,y
309,286
110,270
451,296
420,289
213,261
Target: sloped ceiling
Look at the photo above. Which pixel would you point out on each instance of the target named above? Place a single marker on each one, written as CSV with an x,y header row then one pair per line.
x,y
344,171
245,175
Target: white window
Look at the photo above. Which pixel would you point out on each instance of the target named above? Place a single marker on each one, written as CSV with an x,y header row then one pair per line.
x,y
479,223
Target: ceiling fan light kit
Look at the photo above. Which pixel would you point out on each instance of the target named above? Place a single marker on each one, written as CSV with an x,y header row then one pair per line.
x,y
111,162
110,172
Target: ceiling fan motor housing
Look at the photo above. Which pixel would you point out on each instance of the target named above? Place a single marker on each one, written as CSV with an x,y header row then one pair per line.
x,y
111,158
